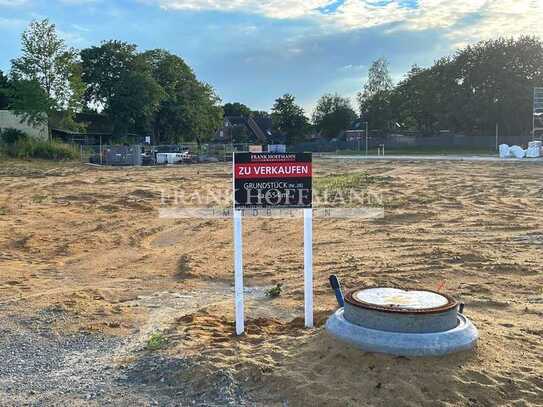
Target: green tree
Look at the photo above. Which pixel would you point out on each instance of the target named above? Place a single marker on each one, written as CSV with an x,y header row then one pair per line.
x,y
47,60
332,115
102,67
121,82
205,112
496,80
4,91
379,79
260,115
189,109
414,100
136,99
481,85
29,100
236,109
374,100
26,97
289,118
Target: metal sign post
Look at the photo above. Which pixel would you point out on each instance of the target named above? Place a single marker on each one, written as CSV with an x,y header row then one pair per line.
x,y
308,267
238,266
271,181
238,261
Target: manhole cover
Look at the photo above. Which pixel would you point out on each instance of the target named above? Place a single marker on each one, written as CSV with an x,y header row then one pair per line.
x,y
401,310
396,298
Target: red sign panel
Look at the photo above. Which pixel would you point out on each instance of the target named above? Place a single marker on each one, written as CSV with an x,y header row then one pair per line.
x,y
264,180
272,170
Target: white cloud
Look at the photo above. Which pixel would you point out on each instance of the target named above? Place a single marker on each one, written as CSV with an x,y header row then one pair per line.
x,y
78,2
12,3
490,17
269,8
12,23
505,18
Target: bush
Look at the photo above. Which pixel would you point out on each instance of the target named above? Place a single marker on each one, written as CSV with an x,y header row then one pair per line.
x,y
26,147
11,136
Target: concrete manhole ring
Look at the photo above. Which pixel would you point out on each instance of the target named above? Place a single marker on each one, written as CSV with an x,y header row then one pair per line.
x,y
460,338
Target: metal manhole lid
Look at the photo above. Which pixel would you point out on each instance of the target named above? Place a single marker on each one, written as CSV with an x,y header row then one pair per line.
x,y
395,299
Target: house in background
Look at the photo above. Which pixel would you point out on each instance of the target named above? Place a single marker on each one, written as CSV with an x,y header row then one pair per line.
x,y
248,130
98,130
10,120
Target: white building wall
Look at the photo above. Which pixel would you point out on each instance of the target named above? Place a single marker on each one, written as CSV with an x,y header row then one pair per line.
x,y
9,120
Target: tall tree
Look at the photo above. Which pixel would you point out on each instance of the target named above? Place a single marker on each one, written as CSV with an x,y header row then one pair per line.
x,y
236,109
374,100
47,60
189,109
379,79
209,112
332,115
481,85
4,91
415,100
289,118
496,80
136,99
121,82
29,100
260,115
103,67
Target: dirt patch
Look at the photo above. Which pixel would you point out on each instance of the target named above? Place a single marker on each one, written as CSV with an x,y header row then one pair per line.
x,y
84,253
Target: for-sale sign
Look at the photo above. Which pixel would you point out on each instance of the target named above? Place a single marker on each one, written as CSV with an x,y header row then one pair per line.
x,y
271,180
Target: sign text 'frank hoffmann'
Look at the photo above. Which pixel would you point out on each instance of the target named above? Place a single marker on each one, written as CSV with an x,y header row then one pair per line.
x,y
270,180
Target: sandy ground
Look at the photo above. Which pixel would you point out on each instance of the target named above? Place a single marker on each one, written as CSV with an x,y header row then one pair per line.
x,y
89,272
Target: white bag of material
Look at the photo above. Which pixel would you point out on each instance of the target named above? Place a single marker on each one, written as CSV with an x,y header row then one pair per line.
x,y
504,151
533,152
534,149
517,152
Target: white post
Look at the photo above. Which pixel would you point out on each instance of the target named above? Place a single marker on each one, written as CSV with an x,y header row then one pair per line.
x,y
238,266
497,134
367,135
308,267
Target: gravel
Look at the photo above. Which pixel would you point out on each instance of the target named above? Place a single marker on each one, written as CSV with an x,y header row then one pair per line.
x,y
40,367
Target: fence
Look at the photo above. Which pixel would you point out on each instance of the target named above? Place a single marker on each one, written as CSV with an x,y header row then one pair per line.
x,y
146,154
442,143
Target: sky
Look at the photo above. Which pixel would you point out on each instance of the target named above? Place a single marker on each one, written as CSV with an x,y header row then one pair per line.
x,y
253,51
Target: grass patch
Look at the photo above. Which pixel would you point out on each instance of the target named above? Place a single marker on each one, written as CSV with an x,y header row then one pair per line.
x,y
156,341
25,147
38,199
275,292
343,181
349,190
